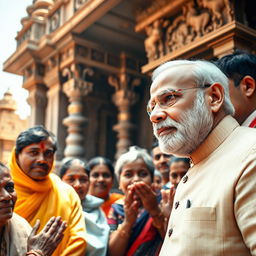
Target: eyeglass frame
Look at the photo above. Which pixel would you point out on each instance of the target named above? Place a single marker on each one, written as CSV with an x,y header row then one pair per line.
x,y
174,101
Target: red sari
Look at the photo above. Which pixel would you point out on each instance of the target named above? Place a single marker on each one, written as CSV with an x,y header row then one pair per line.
x,y
145,239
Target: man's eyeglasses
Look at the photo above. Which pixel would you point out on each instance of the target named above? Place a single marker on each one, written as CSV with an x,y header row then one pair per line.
x,y
169,97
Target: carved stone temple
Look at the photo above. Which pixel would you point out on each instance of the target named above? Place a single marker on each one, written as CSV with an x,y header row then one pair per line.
x,y
10,126
87,63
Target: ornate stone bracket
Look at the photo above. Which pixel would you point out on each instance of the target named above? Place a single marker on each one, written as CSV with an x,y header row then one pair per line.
x,y
75,88
124,98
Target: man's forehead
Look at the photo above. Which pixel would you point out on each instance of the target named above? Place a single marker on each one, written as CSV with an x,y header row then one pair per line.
x,y
156,150
173,77
45,144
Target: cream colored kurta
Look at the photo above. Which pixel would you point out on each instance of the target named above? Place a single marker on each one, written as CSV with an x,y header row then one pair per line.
x,y
214,211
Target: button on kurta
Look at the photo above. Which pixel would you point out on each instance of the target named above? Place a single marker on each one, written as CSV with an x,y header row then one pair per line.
x,y
170,232
176,205
185,179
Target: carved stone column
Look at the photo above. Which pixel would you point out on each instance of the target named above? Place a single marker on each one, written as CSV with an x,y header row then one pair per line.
x,y
124,98
75,88
38,101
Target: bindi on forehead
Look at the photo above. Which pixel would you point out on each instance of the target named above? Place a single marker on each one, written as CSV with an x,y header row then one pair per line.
x,y
42,145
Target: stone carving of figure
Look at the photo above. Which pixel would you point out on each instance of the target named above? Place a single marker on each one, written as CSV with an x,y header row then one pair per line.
x,y
154,42
198,22
198,18
221,11
177,34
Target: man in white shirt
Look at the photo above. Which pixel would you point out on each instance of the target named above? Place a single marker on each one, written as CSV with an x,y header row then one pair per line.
x,y
240,68
214,204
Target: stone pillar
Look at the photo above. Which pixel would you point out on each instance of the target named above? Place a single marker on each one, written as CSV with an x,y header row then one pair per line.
x,y
75,88
38,101
124,98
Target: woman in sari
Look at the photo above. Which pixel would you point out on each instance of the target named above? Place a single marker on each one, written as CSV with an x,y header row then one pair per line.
x,y
136,221
74,173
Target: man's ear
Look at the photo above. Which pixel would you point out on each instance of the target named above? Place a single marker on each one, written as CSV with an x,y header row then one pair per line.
x,y
215,97
248,86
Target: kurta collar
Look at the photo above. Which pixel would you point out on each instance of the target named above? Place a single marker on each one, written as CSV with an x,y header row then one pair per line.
x,y
249,119
214,139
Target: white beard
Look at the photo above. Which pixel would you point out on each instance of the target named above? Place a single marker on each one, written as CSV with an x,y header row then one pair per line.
x,y
193,127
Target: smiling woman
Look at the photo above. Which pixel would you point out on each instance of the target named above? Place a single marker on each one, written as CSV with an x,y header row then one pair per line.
x,y
101,176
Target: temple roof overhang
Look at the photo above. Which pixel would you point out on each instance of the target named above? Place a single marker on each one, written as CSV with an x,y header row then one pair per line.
x,y
100,21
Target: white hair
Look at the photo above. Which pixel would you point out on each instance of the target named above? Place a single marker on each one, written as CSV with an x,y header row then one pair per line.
x,y
132,155
204,72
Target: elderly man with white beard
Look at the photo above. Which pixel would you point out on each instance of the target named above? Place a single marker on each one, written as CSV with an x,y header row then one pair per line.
x,y
214,204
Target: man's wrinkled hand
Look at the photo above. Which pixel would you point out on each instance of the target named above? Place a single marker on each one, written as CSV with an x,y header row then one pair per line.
x,y
49,238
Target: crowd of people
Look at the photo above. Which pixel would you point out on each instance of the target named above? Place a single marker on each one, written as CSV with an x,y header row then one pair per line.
x,y
193,194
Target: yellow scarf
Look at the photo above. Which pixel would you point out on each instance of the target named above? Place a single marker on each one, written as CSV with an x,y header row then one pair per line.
x,y
47,198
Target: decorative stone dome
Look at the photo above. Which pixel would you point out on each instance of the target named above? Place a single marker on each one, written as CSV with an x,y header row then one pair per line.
x,y
39,9
8,103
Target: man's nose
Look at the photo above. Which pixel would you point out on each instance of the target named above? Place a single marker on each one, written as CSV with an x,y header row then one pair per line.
x,y
41,157
4,195
162,158
157,115
77,183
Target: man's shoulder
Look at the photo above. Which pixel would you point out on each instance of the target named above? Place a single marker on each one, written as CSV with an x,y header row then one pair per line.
x,y
247,134
65,189
20,222
243,142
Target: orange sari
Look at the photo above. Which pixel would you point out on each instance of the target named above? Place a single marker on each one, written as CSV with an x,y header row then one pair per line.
x,y
107,204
